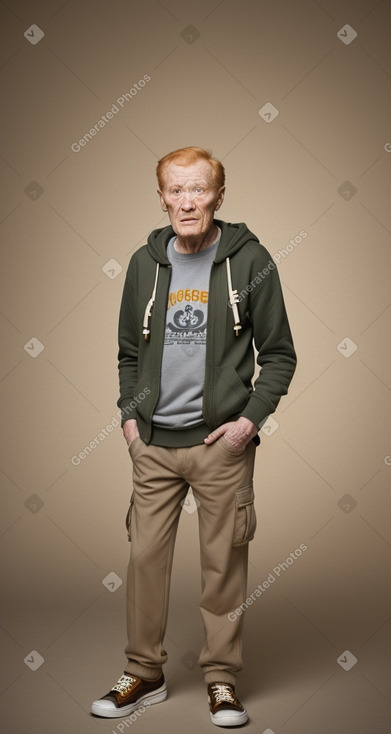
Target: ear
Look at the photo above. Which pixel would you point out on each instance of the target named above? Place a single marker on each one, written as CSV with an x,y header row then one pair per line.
x,y
220,198
162,202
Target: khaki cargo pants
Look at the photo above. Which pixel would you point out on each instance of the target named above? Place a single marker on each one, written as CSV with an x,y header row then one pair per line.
x,y
221,478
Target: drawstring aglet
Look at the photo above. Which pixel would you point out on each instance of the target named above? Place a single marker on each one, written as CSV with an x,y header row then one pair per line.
x,y
233,299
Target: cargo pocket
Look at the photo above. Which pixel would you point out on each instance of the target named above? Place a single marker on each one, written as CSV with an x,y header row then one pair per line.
x,y
129,516
245,518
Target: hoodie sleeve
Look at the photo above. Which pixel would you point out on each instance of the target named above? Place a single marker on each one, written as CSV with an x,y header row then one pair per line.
x,y
273,342
128,349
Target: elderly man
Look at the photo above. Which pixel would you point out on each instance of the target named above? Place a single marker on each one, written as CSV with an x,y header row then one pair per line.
x,y
196,298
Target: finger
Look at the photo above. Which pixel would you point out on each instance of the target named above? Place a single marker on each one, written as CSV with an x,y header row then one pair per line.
x,y
215,434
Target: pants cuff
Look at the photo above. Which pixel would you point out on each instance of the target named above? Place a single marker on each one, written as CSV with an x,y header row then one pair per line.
x,y
222,676
133,668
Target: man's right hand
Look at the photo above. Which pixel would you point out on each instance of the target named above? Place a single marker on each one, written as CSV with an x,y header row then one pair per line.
x,y
130,430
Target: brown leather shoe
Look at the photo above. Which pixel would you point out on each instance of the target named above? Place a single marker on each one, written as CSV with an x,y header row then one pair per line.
x,y
130,693
225,708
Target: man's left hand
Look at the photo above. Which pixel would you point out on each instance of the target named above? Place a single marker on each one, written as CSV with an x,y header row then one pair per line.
x,y
238,433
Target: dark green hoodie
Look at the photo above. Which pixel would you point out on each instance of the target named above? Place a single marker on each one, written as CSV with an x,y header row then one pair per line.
x,y
260,316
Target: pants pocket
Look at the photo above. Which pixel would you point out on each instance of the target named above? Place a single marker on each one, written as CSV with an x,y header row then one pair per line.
x,y
135,446
129,516
245,517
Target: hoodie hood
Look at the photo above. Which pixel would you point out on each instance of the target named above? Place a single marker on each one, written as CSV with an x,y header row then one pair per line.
x,y
233,237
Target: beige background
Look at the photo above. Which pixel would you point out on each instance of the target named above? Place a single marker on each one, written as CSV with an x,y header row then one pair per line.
x,y
322,474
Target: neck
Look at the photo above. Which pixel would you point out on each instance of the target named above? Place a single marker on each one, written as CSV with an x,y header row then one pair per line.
x,y
191,244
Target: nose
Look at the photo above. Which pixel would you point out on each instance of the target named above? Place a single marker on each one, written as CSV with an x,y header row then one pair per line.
x,y
187,201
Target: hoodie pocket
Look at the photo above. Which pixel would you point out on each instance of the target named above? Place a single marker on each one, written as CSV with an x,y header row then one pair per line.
x,y
129,516
245,517
228,395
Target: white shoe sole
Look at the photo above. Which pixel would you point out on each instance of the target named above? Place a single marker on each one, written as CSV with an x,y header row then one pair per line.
x,y
100,709
229,719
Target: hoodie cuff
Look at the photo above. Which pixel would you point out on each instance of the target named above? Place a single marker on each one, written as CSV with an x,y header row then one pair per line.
x,y
256,412
128,412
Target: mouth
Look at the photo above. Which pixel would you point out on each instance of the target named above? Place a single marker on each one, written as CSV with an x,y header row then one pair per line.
x,y
190,219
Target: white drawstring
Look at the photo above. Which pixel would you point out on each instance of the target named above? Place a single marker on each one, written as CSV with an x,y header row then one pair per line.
x,y
233,298
150,303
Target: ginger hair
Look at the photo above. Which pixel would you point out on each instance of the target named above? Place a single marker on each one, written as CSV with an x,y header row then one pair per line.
x,y
187,156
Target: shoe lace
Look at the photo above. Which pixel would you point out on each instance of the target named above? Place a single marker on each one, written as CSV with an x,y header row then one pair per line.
x,y
124,684
223,693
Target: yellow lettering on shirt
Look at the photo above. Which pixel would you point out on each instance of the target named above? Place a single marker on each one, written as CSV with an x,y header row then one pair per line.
x,y
187,295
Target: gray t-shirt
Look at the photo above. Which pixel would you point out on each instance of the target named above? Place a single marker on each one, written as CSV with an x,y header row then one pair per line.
x,y
183,364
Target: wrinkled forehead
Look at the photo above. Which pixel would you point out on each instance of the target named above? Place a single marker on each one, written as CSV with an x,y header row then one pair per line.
x,y
200,173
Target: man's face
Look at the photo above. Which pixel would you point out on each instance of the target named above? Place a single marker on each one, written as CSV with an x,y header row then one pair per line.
x,y
190,197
